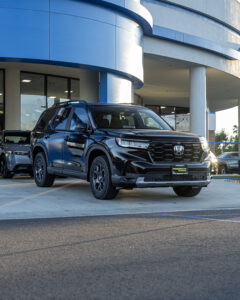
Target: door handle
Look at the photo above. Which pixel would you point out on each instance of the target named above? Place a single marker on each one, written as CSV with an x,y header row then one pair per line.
x,y
47,137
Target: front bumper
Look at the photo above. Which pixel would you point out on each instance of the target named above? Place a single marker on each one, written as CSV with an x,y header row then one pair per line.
x,y
21,163
160,175
141,183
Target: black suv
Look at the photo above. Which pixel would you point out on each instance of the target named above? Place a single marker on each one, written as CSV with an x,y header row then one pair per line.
x,y
117,146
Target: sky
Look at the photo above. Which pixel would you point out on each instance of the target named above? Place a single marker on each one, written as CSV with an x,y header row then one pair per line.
x,y
226,119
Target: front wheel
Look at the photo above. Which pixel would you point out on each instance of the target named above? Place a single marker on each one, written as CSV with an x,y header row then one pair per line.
x,y
187,191
100,179
4,169
41,175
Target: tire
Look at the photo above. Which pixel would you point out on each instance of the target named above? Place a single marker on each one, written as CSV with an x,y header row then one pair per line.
x,y
4,169
41,175
100,179
222,170
187,191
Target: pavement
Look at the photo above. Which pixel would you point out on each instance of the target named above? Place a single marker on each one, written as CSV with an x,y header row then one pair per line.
x,y
20,198
187,255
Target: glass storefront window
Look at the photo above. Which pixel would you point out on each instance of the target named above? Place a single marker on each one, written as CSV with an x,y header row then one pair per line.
x,y
177,117
33,100
39,91
1,99
75,89
57,90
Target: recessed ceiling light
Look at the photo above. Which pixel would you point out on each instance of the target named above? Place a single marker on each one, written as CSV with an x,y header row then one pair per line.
x,y
0,94
67,92
52,97
27,80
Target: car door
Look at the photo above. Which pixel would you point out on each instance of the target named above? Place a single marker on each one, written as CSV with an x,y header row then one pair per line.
x,y
56,137
75,142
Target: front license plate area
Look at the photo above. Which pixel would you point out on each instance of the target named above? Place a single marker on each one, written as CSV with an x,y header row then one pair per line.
x,y
179,170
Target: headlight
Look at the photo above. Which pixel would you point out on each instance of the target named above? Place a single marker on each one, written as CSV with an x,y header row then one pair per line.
x,y
204,143
132,144
214,160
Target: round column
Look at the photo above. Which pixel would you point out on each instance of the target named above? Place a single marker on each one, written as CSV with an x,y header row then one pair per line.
x,y
198,102
115,89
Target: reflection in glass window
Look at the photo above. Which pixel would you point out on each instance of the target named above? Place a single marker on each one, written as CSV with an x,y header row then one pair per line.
x,y
57,90
33,100
75,89
1,100
38,92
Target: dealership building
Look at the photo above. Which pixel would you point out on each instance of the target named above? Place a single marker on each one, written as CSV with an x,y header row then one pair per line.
x,y
178,57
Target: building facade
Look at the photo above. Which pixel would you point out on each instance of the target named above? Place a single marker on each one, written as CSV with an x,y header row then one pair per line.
x,y
179,57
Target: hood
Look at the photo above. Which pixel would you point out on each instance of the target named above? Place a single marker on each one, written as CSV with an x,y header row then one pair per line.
x,y
17,147
146,134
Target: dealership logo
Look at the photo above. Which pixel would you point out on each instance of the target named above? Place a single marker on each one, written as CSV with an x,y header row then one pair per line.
x,y
178,150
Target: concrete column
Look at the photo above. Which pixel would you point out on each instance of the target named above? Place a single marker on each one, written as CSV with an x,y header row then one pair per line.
x,y
89,86
115,89
198,102
12,99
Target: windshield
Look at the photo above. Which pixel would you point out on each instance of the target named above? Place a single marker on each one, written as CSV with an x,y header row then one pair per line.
x,y
110,117
17,138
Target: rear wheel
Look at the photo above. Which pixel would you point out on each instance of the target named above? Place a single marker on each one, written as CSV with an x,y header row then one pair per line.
x,y
4,169
100,179
41,175
187,191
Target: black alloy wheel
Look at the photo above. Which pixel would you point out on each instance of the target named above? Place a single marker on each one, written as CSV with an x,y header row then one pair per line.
x,y
100,179
187,191
41,176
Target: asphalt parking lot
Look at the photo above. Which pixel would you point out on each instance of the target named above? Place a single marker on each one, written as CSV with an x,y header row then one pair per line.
x,y
184,255
22,199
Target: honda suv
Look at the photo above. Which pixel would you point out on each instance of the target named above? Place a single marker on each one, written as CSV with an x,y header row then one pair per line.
x,y
115,146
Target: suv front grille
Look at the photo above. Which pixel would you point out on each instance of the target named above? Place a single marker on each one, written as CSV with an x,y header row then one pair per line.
x,y
164,151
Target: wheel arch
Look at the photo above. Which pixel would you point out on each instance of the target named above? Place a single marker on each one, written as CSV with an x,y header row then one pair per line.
x,y
39,148
94,152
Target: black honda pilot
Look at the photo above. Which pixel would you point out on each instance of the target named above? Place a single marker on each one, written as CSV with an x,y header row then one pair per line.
x,y
117,146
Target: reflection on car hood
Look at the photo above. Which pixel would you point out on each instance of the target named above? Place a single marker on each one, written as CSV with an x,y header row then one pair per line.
x,y
151,134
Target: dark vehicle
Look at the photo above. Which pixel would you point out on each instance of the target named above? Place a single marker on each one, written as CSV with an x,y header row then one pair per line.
x,y
15,153
117,146
228,163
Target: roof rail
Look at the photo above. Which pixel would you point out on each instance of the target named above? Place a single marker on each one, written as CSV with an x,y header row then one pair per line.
x,y
69,102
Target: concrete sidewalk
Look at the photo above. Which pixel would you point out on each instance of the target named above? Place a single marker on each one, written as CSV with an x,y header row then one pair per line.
x,y
20,198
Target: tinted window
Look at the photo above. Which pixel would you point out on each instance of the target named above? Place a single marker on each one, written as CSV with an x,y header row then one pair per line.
x,y
60,121
17,138
79,119
127,118
45,118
